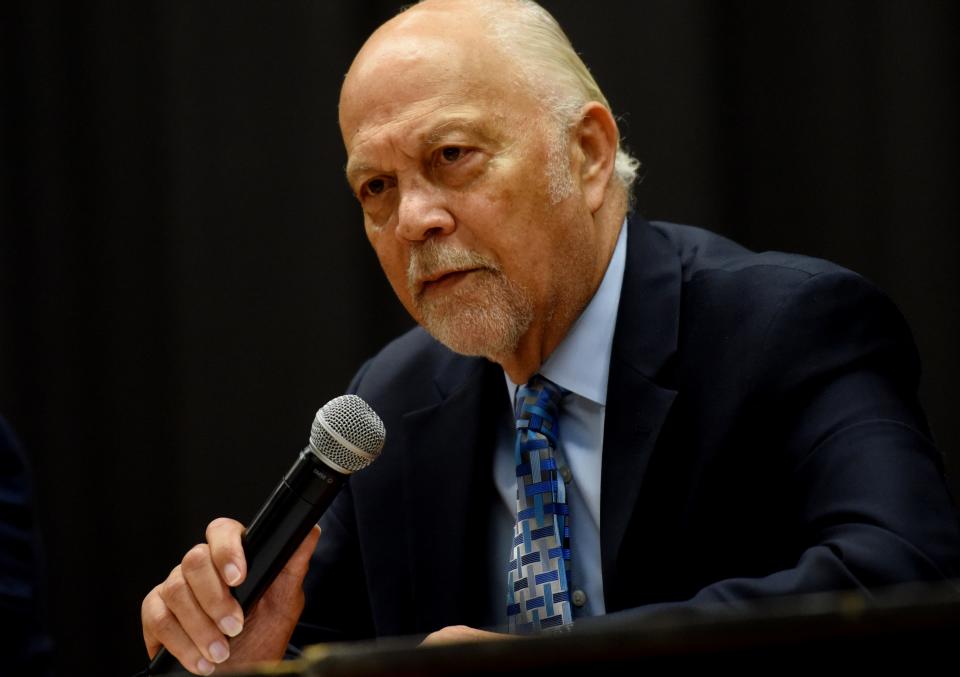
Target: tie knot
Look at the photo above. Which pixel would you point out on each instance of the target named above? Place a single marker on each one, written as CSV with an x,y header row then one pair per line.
x,y
537,406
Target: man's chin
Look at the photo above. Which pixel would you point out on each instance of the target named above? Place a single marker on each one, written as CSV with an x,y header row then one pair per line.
x,y
485,316
490,335
491,347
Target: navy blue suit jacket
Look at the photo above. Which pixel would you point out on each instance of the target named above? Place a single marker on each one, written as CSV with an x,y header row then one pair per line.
x,y
762,437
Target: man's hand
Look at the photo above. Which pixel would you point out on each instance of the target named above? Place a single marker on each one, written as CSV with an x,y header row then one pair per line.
x,y
462,633
192,613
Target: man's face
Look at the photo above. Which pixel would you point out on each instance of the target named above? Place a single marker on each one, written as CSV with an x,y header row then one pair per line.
x,y
465,187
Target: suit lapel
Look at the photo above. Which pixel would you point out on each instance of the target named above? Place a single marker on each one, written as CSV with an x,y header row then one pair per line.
x,y
644,340
447,469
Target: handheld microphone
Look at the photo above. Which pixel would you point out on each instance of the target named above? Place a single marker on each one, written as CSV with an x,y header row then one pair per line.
x,y
346,436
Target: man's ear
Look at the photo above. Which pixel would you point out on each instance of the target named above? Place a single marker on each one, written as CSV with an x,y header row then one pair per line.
x,y
596,136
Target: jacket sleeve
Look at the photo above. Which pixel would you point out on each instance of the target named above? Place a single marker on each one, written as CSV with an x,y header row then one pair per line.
x,y
867,479
866,484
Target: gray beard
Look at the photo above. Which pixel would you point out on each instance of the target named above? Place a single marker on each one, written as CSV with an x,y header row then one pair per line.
x,y
485,315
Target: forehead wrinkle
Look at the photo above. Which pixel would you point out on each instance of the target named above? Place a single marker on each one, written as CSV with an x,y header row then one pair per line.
x,y
360,167
386,117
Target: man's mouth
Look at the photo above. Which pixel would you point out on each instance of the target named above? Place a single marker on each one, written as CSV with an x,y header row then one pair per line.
x,y
443,279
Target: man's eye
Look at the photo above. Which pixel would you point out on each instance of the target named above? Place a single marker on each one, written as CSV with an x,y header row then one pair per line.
x,y
375,186
451,153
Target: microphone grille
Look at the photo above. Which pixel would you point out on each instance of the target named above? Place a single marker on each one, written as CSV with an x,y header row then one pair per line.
x,y
347,434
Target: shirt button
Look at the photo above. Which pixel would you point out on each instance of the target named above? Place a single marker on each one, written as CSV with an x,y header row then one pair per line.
x,y
579,598
566,474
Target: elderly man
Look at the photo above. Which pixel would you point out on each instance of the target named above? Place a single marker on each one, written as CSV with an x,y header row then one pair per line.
x,y
696,423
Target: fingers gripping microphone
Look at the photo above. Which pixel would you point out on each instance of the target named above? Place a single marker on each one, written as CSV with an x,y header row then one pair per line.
x,y
346,436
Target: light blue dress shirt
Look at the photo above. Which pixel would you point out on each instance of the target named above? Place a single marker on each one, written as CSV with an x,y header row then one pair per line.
x,y
581,364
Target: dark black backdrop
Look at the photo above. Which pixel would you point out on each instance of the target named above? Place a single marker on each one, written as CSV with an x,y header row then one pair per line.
x,y
184,277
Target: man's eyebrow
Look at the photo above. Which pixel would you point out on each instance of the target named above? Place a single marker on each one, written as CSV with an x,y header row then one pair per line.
x,y
458,124
433,136
352,169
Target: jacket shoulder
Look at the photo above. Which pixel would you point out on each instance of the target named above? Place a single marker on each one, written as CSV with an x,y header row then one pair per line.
x,y
702,252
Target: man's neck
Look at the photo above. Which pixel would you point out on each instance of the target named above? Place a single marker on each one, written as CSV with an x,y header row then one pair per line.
x,y
548,331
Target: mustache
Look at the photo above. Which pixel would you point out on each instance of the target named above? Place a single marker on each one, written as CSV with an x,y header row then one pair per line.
x,y
431,258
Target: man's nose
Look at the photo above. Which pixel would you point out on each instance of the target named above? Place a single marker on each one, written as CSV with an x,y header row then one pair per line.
x,y
423,213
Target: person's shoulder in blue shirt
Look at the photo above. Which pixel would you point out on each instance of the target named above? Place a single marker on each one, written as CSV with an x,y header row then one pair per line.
x,y
25,647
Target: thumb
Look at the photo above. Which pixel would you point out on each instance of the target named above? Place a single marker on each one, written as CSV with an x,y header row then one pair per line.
x,y
300,560
284,598
290,578
273,619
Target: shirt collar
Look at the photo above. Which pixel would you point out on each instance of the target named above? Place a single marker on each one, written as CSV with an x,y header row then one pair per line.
x,y
581,363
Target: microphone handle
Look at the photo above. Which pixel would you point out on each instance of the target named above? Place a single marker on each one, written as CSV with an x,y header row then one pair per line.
x,y
279,528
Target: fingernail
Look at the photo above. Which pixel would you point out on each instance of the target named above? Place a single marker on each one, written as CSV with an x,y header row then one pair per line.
x,y
219,651
232,573
203,667
231,626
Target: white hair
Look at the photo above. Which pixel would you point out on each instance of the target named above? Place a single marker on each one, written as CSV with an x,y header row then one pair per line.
x,y
552,68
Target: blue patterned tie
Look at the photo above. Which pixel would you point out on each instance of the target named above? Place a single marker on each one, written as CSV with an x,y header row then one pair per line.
x,y
538,596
